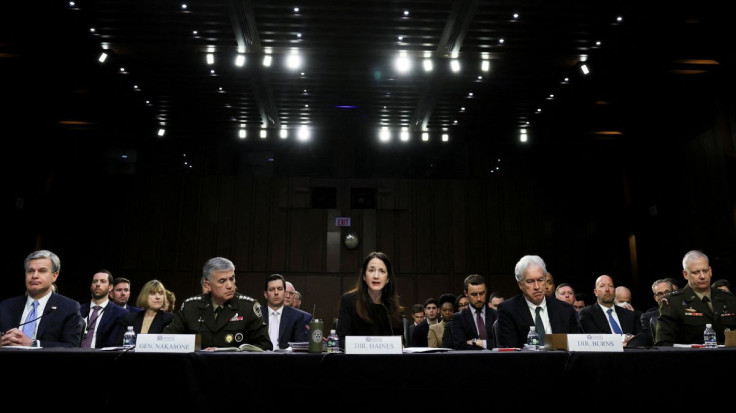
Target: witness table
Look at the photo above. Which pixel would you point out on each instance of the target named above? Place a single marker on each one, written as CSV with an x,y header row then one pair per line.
x,y
215,382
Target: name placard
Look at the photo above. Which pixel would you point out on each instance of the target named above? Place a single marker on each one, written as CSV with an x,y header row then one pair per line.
x,y
595,342
373,345
165,343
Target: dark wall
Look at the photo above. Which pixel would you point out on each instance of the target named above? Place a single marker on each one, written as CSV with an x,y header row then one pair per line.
x,y
619,208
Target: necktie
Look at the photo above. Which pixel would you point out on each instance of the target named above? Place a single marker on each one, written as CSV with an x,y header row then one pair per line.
x,y
30,328
91,326
614,324
273,329
707,301
217,311
539,325
482,334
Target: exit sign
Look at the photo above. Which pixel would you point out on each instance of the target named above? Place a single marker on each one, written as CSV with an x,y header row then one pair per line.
x,y
342,221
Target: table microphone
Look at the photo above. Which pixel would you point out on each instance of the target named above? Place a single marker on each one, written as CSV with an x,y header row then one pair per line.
x,y
48,310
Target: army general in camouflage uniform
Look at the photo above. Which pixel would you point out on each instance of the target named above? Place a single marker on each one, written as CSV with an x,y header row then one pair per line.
x,y
684,313
223,317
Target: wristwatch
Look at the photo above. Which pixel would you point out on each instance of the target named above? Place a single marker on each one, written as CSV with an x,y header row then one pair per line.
x,y
475,340
34,343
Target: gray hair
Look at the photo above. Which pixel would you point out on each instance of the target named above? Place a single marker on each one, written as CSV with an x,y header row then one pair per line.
x,y
55,261
527,261
691,256
660,281
216,264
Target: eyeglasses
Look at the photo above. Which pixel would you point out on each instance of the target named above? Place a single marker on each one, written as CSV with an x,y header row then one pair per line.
x,y
662,294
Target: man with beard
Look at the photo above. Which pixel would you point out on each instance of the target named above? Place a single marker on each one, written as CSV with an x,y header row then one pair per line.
x,y
604,317
104,319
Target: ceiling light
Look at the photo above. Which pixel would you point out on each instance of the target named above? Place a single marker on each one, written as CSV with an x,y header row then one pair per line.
x,y
427,64
161,132
584,69
303,134
263,133
455,65
102,58
284,133
425,136
267,60
404,136
485,65
240,60
403,64
241,133
384,135
523,137
445,137
294,61
210,59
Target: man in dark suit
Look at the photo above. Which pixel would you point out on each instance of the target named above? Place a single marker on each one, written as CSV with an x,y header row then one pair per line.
x,y
285,323
660,288
516,314
605,317
120,294
40,318
472,328
105,320
420,333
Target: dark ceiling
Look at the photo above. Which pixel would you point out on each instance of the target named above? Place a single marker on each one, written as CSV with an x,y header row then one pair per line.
x,y
653,65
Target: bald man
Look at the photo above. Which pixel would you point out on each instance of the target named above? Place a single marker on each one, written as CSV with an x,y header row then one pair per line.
x,y
623,298
604,317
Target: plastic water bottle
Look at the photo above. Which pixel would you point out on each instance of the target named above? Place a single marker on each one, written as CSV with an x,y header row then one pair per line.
x,y
129,338
333,342
532,339
709,336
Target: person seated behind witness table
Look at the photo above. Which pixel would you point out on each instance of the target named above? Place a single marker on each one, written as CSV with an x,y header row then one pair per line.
x,y
420,333
722,285
550,288
461,303
494,299
596,319
103,318
565,292
579,302
285,323
467,333
153,318
660,288
222,317
296,299
372,307
622,298
169,301
417,315
60,324
120,293
437,331
684,313
516,314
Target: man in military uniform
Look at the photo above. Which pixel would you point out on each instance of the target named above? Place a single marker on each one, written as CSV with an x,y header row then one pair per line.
x,y
222,317
684,313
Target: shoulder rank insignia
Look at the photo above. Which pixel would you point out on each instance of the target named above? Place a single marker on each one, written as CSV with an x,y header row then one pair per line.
x,y
257,309
245,297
